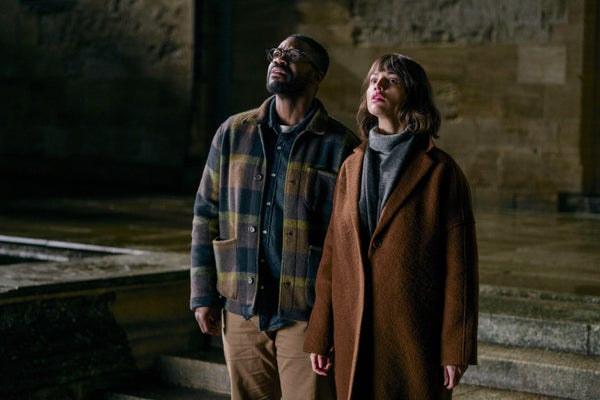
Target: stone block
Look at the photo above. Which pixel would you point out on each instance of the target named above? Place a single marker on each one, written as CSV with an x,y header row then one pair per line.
x,y
207,370
514,331
524,102
565,171
462,22
45,342
326,21
542,64
483,169
539,201
595,339
562,102
568,136
442,63
536,371
458,136
560,324
447,99
491,67
518,169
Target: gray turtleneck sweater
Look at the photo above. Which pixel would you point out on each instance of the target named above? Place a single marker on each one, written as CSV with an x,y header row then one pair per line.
x,y
384,159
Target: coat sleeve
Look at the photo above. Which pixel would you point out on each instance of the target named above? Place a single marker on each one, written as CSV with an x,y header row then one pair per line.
x,y
459,329
205,228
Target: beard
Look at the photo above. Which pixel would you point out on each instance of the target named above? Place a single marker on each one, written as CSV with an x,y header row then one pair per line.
x,y
292,85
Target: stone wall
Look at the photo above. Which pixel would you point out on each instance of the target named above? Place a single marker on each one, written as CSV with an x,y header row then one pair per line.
x,y
91,88
73,339
133,90
506,76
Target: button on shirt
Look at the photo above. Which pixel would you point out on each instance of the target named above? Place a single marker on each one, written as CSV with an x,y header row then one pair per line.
x,y
278,141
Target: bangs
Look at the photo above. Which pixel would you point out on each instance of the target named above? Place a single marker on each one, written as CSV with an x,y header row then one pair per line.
x,y
391,63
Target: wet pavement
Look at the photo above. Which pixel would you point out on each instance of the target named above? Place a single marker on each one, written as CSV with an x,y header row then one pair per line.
x,y
549,252
146,223
544,252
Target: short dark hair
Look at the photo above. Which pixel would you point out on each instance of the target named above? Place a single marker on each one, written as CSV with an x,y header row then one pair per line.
x,y
319,55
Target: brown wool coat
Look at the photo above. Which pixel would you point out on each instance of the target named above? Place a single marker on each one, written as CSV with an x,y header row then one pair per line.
x,y
421,265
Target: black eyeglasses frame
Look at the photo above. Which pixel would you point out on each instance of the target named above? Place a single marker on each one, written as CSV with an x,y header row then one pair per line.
x,y
285,55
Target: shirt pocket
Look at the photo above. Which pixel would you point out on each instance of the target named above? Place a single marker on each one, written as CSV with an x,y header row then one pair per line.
x,y
318,191
226,263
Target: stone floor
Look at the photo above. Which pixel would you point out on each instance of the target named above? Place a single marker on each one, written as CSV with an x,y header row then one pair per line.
x,y
547,252
530,254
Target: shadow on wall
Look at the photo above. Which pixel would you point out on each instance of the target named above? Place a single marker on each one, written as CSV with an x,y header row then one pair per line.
x,y
94,97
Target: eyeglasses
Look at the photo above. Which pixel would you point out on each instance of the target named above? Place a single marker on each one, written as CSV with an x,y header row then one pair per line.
x,y
291,55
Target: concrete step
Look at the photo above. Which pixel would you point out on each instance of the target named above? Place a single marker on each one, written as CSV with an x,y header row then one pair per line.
x,y
470,392
533,345
537,371
534,319
165,393
462,392
205,370
197,371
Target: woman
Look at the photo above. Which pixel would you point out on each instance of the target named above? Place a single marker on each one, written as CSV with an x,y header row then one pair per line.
x,y
397,286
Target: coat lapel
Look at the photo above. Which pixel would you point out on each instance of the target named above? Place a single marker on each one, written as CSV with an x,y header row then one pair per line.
x,y
415,171
354,174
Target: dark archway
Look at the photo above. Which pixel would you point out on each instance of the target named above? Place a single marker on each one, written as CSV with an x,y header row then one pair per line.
x,y
591,100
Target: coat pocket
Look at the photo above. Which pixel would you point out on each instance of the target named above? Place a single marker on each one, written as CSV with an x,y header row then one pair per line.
x,y
314,258
226,263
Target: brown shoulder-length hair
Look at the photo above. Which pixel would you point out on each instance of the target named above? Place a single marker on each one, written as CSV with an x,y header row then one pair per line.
x,y
419,112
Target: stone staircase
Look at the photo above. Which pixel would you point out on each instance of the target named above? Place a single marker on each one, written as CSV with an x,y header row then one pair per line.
x,y
532,346
538,342
198,376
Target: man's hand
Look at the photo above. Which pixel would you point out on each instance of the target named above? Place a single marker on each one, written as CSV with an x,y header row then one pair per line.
x,y
209,320
452,375
320,364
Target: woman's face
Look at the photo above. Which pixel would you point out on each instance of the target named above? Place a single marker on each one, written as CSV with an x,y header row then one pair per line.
x,y
386,95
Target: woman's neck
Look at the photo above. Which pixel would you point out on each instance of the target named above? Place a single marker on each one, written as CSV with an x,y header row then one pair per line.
x,y
387,126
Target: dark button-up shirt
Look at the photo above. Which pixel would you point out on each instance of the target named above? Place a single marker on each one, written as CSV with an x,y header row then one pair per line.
x,y
278,147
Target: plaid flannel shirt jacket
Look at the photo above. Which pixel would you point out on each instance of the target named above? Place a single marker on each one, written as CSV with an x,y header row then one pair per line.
x,y
227,213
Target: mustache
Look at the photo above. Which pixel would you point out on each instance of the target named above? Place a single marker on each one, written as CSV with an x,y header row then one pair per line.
x,y
285,68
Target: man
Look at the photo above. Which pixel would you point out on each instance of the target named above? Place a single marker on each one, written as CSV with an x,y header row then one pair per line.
x,y
260,218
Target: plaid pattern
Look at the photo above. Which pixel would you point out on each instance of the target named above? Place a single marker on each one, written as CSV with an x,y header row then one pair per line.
x,y
227,212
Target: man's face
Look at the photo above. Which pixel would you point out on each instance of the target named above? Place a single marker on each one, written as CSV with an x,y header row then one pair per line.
x,y
288,77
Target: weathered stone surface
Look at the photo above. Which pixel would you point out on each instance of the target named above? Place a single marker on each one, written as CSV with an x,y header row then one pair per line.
x,y
506,77
71,328
542,64
595,338
467,21
526,320
94,80
47,342
542,372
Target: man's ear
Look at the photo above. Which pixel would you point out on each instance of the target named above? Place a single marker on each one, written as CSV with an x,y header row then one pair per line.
x,y
319,76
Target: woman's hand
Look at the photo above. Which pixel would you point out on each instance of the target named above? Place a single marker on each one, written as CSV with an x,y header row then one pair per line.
x,y
320,364
452,375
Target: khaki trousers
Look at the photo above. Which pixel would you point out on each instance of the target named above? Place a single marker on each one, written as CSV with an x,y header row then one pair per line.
x,y
270,365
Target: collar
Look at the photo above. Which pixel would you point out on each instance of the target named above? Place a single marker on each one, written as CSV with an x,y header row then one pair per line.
x,y
316,121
